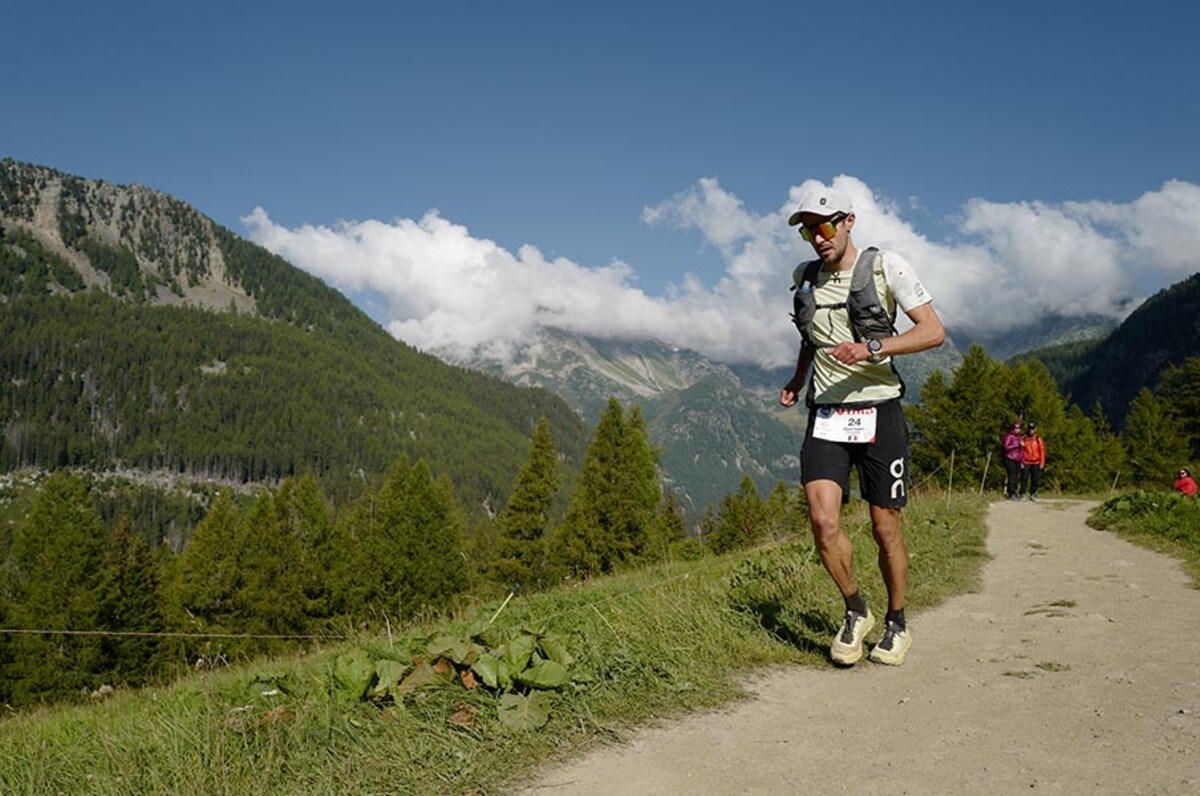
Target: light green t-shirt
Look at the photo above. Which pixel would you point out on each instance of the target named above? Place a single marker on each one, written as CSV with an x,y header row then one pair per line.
x,y
867,382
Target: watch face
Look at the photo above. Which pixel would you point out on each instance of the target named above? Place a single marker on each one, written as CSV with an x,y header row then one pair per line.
x,y
874,345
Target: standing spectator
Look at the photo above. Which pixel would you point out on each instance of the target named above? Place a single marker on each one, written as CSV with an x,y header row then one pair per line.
x,y
1185,483
1033,461
1013,456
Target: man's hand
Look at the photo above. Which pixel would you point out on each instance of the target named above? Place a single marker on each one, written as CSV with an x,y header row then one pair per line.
x,y
849,353
790,394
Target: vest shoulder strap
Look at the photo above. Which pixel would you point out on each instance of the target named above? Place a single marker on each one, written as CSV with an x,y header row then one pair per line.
x,y
806,272
864,270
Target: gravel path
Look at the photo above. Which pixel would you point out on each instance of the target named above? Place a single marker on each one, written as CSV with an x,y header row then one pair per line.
x,y
1075,669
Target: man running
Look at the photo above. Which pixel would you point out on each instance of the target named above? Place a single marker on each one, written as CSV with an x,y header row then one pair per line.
x,y
845,316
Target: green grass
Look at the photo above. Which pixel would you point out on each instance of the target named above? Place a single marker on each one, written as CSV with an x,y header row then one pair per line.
x,y
648,645
1166,523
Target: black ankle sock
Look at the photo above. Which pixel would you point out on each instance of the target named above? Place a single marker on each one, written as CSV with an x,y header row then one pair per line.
x,y
856,603
897,617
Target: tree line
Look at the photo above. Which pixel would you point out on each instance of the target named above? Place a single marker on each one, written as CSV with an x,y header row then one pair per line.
x,y
289,562
960,421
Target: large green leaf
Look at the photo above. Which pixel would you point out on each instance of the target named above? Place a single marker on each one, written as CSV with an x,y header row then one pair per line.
x,y
495,672
460,650
425,674
389,674
519,712
544,675
520,649
555,647
354,673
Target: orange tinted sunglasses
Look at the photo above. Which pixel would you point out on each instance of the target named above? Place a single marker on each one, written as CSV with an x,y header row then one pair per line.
x,y
826,229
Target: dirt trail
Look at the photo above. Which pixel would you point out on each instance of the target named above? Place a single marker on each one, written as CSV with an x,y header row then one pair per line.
x,y
1075,669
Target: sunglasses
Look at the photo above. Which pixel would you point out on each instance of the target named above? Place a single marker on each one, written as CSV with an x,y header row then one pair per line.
x,y
826,229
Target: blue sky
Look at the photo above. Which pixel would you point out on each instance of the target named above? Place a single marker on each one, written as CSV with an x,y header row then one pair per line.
x,y
667,138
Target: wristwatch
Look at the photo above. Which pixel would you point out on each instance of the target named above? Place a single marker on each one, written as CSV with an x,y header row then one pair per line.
x,y
875,346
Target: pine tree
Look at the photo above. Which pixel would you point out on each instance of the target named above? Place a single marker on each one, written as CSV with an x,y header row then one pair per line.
x,y
409,556
1154,440
781,512
271,597
525,521
740,520
1180,389
1088,457
610,516
430,536
128,600
202,584
55,574
669,528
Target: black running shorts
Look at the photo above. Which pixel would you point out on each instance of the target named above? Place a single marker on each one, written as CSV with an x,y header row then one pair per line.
x,y
882,464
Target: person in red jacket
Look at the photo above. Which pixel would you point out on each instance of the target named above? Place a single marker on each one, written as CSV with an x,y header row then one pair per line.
x,y
1185,483
1033,461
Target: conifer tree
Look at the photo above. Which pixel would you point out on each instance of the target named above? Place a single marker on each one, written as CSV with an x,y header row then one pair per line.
x,y
525,521
128,600
610,516
1180,389
203,583
963,418
55,574
431,566
781,512
669,527
1087,455
409,557
271,596
740,520
1155,441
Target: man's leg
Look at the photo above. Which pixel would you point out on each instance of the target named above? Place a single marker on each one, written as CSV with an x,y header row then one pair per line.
x,y
893,554
837,555
893,648
833,546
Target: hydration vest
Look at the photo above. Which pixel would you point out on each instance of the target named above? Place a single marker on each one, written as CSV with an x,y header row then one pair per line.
x,y
868,317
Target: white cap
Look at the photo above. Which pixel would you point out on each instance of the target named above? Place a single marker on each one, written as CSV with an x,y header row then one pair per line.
x,y
821,201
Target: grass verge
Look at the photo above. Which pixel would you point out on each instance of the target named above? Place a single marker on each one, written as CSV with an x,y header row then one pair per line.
x,y
1165,522
646,646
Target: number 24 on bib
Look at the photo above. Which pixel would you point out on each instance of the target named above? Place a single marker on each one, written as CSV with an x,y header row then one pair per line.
x,y
845,425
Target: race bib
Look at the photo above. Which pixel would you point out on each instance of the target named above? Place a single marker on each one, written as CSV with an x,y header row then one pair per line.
x,y
845,425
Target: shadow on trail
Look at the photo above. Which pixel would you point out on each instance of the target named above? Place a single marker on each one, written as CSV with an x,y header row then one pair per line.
x,y
807,631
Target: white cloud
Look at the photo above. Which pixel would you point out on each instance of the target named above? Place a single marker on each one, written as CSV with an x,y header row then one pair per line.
x,y
1010,264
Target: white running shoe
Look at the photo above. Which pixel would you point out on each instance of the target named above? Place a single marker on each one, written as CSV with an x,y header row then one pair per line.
x,y
894,645
847,646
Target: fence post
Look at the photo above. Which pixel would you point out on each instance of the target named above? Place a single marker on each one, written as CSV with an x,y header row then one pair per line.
x,y
950,485
1113,488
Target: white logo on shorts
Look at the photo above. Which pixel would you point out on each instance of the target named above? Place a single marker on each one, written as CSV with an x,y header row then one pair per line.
x,y
897,471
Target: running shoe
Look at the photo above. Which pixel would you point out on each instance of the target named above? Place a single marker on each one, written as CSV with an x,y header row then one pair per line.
x,y
894,645
847,646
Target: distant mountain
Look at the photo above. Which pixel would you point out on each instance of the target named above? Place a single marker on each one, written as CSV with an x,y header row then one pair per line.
x,y
709,428
137,333
1051,330
1163,331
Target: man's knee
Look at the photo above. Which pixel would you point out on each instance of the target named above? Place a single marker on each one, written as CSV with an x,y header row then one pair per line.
x,y
885,526
826,525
